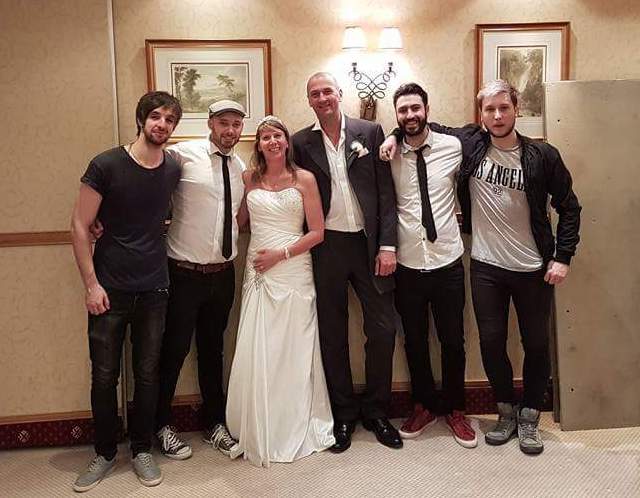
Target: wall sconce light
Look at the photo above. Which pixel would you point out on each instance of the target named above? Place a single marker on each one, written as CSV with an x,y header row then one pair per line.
x,y
371,88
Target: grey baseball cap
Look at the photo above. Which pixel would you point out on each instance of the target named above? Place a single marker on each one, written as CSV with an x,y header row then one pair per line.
x,y
222,106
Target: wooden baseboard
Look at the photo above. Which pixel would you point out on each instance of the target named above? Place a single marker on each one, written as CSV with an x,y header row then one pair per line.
x,y
45,417
73,428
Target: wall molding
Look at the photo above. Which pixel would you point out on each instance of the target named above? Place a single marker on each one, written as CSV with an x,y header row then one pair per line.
x,y
25,239
45,417
74,428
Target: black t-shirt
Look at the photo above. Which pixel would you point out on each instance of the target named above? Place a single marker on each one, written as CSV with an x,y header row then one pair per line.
x,y
131,254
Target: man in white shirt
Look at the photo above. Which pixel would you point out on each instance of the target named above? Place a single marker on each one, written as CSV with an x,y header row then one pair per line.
x,y
358,202
201,245
429,270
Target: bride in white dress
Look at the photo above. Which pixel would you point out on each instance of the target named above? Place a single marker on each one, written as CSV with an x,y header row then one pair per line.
x,y
277,404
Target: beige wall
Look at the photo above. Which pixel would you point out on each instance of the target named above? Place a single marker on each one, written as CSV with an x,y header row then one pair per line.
x,y
57,106
55,69
57,112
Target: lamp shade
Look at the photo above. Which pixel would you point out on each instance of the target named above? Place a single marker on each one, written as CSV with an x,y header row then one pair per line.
x,y
390,39
353,38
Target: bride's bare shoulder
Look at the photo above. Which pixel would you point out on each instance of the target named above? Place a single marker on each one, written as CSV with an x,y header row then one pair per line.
x,y
305,178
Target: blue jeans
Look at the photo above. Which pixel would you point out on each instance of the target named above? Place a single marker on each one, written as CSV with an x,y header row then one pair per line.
x,y
145,312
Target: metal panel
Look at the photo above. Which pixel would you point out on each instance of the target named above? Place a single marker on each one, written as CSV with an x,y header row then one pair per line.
x,y
595,125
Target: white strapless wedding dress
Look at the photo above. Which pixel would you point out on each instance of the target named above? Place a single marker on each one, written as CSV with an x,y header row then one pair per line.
x,y
278,406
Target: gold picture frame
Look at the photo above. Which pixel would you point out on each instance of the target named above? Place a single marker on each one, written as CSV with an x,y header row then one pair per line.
x,y
200,72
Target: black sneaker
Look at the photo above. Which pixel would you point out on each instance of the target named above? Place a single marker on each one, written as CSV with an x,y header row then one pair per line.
x,y
171,445
219,438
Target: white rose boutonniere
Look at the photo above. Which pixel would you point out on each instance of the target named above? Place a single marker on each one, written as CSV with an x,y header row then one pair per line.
x,y
359,149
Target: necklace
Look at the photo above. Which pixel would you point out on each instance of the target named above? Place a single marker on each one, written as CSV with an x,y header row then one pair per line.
x,y
129,149
135,158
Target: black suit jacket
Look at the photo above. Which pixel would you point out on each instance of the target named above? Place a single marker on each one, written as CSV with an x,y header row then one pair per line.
x,y
370,179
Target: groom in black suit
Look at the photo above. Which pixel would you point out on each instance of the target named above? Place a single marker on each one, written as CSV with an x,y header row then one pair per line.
x,y
358,201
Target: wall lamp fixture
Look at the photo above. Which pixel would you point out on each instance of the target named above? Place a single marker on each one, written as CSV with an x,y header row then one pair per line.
x,y
370,89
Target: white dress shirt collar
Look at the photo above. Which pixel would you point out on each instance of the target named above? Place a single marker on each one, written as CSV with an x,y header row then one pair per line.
x,y
405,148
318,127
212,148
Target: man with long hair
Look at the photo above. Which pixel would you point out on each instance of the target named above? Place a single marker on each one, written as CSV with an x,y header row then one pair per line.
x,y
126,280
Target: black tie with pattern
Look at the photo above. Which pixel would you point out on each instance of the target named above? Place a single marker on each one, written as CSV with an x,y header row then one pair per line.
x,y
427,214
226,230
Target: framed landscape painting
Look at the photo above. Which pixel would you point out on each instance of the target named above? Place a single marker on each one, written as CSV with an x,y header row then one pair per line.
x,y
201,72
527,56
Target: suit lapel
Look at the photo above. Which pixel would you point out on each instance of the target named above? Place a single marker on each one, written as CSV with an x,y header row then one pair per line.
x,y
350,137
315,148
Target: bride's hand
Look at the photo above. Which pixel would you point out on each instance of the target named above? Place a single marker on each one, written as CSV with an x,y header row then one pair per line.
x,y
267,259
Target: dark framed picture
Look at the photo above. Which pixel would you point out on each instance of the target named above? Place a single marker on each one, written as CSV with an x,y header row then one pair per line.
x,y
527,56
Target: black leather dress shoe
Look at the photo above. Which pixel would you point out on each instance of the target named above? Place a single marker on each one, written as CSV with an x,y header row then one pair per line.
x,y
384,431
342,432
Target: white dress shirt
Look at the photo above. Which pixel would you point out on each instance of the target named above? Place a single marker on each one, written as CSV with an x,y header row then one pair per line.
x,y
442,156
195,233
345,214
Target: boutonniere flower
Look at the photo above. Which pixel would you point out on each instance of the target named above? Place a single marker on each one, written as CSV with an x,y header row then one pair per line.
x,y
359,149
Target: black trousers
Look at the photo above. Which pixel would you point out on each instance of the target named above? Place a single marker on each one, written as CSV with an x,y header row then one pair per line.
x,y
201,303
492,288
443,289
145,311
342,259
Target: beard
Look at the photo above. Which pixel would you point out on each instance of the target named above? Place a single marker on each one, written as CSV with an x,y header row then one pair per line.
x,y
223,142
422,123
153,140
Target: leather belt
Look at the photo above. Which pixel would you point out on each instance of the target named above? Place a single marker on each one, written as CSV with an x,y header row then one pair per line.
x,y
197,267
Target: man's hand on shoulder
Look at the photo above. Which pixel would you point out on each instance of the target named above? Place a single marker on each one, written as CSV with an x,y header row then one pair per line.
x,y
556,272
388,148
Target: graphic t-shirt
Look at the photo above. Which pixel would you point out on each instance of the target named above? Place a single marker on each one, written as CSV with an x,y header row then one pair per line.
x,y
500,212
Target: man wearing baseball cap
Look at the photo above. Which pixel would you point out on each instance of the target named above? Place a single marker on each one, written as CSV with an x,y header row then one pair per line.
x,y
201,245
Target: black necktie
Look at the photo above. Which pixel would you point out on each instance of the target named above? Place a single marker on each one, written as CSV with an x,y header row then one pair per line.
x,y
226,230
427,214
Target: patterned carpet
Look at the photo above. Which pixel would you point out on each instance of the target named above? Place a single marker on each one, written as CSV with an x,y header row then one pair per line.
x,y
603,463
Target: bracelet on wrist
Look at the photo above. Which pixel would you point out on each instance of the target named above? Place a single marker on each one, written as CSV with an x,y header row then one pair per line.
x,y
287,254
